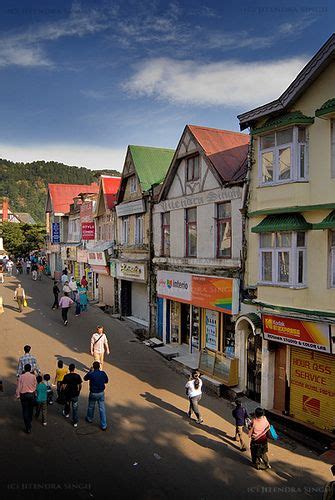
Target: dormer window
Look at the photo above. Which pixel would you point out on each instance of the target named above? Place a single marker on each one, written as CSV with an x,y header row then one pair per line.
x,y
133,184
283,156
192,169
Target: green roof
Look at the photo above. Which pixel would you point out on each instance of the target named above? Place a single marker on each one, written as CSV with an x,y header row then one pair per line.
x,y
289,119
326,108
327,223
282,222
151,164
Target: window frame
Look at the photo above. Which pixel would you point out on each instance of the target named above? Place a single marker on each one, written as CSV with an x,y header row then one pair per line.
x,y
165,252
293,251
220,222
133,184
189,225
125,233
295,146
194,177
139,229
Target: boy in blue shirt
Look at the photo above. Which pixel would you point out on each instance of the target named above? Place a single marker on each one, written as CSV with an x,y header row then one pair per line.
x,y
41,400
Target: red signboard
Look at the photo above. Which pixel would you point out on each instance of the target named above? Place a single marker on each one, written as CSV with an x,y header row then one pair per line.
x,y
88,231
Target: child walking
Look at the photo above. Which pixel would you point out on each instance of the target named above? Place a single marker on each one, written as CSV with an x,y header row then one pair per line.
x,y
41,400
47,382
240,415
193,391
61,371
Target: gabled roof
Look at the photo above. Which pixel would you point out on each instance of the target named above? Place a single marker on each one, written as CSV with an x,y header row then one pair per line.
x,y
226,150
25,218
61,195
151,164
306,76
110,186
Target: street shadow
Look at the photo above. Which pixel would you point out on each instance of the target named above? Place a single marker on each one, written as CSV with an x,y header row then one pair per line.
x,y
67,361
164,404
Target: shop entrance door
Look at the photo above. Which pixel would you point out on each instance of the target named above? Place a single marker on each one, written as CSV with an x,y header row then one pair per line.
x,y
254,366
125,298
185,324
279,402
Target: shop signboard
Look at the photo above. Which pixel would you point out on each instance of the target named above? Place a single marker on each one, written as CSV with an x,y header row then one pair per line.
x,y
131,271
174,285
218,294
82,255
112,268
132,207
86,220
101,270
88,231
211,329
295,332
97,258
55,237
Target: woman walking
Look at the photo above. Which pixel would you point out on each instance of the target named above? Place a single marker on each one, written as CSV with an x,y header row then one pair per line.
x,y
65,303
259,441
193,391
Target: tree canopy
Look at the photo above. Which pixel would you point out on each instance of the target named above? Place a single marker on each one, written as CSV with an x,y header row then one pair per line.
x,y
21,239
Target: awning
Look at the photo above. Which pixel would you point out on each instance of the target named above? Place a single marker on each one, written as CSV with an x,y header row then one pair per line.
x,y
282,222
327,223
327,108
289,119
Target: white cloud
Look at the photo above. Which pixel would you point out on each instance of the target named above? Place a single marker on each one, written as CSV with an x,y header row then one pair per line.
x,y
93,157
226,83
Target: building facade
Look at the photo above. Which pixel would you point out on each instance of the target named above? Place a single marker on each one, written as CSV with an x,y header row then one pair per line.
x,y
286,332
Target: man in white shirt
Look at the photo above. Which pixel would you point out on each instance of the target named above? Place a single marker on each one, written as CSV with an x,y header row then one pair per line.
x,y
73,287
99,344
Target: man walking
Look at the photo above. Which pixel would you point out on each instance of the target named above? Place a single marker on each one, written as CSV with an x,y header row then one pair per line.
x,y
65,303
71,386
27,358
97,379
25,391
240,415
55,291
99,344
19,296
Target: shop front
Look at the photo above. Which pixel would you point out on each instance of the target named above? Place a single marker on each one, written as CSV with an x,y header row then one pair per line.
x,y
133,291
304,369
102,281
69,258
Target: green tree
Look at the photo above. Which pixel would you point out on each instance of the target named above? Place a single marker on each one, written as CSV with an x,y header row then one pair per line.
x,y
13,238
21,239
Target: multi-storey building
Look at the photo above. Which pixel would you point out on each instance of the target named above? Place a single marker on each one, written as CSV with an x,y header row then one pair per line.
x,y
286,334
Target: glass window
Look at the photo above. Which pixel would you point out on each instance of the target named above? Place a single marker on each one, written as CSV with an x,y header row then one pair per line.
x,y
268,141
284,163
267,240
192,168
267,166
284,136
283,267
266,266
224,230
191,232
166,234
133,184
284,239
139,230
125,230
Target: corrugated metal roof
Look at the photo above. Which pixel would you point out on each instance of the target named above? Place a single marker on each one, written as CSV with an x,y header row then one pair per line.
x,y
293,118
282,222
226,150
151,164
327,223
62,194
326,108
110,187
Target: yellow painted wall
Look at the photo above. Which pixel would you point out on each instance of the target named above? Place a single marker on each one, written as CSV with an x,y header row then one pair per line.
x,y
320,189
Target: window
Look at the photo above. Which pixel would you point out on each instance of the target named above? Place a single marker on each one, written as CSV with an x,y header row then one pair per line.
x,y
224,230
283,156
139,230
133,184
192,168
191,232
283,258
166,234
125,230
332,149
332,259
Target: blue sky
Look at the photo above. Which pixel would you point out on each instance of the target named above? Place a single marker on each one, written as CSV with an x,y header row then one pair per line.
x,y
80,81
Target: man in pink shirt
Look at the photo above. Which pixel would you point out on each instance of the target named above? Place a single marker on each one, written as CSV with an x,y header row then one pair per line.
x,y
25,391
65,303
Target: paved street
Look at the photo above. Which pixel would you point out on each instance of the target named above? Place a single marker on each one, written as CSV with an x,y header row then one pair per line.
x,y
150,450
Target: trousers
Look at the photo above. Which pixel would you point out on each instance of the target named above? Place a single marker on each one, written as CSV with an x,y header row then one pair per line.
x,y
27,402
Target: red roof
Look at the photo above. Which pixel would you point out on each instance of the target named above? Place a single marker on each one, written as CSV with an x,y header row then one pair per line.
x,y
62,194
226,150
110,187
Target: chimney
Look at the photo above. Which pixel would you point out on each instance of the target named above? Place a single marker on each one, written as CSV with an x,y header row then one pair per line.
x,y
5,207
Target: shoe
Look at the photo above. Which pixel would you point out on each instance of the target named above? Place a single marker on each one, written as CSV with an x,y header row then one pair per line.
x,y
268,466
243,449
88,421
64,414
103,428
51,402
75,425
200,421
65,322
28,431
44,424
189,415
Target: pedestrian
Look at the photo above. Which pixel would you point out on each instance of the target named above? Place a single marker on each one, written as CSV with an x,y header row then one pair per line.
x,y
25,391
61,371
27,358
10,265
65,303
73,287
71,386
76,299
240,415
47,383
19,296
28,266
83,299
97,379
34,271
259,441
41,400
67,289
194,393
64,277
84,282
99,344
40,270
55,291
1,274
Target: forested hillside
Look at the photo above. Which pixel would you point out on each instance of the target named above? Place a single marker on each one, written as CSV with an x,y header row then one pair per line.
x,y
25,184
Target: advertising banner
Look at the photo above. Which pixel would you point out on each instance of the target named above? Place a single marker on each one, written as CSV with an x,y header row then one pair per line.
x,y
211,329
174,285
97,258
86,220
131,271
88,231
55,237
213,293
297,333
82,256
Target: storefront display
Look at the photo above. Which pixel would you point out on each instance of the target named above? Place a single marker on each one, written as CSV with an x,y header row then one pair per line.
x,y
219,366
195,327
211,326
175,321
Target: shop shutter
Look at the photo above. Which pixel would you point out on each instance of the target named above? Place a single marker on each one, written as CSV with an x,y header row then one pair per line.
x,y
312,388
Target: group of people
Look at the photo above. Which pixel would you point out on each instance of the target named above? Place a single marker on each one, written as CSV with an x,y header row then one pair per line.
x,y
73,293
35,390
257,428
34,264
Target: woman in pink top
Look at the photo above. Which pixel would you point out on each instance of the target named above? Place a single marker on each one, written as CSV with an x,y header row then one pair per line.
x,y
65,303
259,440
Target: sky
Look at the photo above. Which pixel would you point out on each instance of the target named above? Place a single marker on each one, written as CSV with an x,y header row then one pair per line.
x,y
79,81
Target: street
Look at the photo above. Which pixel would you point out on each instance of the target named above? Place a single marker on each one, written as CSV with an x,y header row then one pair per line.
x,y
150,449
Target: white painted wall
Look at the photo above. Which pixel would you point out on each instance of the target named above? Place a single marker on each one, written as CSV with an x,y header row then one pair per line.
x,y
177,229
206,244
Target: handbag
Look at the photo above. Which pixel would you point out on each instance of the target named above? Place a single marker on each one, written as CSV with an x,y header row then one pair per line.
x,y
272,433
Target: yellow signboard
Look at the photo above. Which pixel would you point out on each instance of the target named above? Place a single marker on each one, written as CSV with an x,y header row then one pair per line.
x,y
312,394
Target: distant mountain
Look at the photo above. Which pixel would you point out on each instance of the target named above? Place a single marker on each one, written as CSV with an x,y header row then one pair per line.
x,y
25,184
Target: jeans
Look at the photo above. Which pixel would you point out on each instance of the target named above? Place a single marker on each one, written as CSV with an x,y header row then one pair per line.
x,y
77,308
239,435
194,406
259,453
41,407
65,310
55,304
27,402
20,303
97,397
74,402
